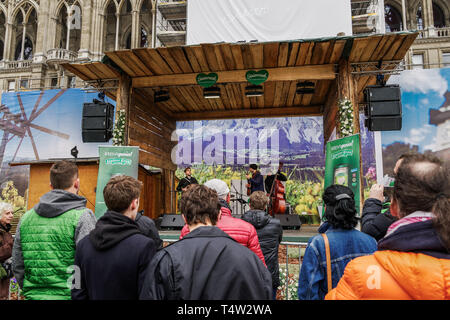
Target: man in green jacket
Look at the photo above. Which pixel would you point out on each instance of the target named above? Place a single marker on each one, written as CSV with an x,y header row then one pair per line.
x,y
47,235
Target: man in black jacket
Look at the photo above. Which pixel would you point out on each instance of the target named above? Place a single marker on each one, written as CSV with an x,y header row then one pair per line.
x,y
148,228
186,181
112,260
206,264
376,218
269,233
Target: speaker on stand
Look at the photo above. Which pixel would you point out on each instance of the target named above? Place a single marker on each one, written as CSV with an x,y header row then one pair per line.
x,y
98,121
383,108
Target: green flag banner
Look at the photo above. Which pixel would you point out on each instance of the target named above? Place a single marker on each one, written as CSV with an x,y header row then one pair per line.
x,y
114,160
342,165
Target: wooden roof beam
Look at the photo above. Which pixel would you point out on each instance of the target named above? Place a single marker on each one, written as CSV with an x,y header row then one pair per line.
x,y
296,111
310,72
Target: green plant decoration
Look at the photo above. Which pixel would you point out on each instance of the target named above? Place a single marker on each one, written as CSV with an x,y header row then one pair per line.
x,y
119,129
345,117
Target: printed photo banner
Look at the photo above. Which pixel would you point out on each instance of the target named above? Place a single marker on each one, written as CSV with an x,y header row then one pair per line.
x,y
342,165
114,160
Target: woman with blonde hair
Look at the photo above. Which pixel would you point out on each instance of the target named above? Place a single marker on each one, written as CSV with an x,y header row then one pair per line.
x,y
6,244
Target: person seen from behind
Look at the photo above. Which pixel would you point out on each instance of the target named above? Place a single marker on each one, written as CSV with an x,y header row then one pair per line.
x,y
47,236
376,214
345,244
241,231
206,264
413,259
113,258
269,233
6,246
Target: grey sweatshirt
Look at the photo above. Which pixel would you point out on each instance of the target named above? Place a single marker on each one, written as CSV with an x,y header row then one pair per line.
x,y
53,204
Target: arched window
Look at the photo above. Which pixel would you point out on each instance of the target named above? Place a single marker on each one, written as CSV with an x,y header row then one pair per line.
x,y
2,33
25,33
393,19
143,43
438,16
74,24
115,24
27,50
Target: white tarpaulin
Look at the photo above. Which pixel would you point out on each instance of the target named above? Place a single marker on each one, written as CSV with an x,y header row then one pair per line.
x,y
210,21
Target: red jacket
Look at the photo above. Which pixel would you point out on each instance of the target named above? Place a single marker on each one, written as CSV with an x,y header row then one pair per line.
x,y
240,230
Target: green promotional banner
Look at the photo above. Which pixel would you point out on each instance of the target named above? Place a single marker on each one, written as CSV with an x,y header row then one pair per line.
x,y
114,161
342,165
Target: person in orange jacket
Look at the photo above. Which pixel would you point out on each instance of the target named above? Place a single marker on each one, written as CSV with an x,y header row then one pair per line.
x,y
413,259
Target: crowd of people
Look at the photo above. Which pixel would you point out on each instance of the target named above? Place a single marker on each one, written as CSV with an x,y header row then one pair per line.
x,y
61,251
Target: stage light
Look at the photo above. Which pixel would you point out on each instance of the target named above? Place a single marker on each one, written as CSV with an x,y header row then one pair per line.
x,y
254,91
74,152
306,87
211,93
161,96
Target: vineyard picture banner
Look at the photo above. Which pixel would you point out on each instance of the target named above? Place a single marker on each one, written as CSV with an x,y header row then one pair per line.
x,y
224,149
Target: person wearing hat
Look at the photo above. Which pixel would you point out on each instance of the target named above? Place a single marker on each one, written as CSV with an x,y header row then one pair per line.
x,y
186,181
240,230
255,179
345,244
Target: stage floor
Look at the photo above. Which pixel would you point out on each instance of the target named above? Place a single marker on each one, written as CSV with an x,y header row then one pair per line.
x,y
302,235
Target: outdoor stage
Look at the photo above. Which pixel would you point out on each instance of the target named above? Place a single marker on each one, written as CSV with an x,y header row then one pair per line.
x,y
302,235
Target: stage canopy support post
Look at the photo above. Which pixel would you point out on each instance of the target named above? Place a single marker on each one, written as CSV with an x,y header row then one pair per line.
x,y
348,88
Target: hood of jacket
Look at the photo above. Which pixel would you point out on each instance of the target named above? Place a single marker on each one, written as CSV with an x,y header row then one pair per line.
x,y
56,202
224,208
258,218
111,229
419,237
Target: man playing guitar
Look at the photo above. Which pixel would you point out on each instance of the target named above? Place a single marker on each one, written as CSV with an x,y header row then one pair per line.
x,y
255,180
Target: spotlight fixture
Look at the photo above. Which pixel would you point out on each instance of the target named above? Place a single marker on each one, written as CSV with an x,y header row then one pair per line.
x,y
161,96
211,93
254,91
306,87
74,152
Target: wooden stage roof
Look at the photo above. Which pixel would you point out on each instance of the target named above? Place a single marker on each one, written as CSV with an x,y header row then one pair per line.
x,y
176,68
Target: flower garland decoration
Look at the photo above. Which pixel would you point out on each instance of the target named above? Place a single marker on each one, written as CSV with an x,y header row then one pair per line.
x,y
119,129
345,117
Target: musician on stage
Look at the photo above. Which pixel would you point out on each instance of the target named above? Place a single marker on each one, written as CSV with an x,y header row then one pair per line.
x,y
187,180
270,178
255,179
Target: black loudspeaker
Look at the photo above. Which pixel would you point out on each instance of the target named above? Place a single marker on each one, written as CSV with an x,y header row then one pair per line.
x,y
289,221
383,108
172,221
97,123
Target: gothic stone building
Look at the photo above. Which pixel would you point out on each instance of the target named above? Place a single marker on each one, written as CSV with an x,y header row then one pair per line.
x,y
37,35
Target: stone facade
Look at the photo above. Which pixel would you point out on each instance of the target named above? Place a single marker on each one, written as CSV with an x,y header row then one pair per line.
x,y
37,35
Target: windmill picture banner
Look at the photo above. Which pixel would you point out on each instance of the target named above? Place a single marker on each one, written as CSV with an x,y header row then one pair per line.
x,y
41,125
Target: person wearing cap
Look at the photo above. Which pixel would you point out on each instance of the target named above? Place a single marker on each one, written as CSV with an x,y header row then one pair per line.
x,y
240,230
186,181
345,244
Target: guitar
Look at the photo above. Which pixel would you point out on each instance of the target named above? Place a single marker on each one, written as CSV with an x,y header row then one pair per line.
x,y
277,204
249,187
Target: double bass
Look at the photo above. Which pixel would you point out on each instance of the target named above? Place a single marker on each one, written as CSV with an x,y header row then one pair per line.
x,y
277,204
